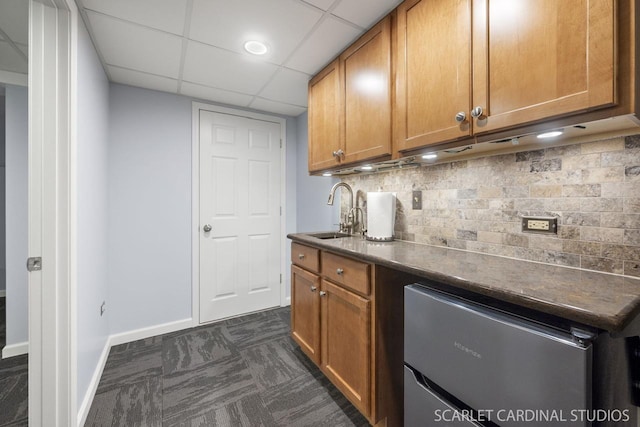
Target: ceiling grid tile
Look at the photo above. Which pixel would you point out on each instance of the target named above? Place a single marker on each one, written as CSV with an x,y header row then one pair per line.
x,y
195,47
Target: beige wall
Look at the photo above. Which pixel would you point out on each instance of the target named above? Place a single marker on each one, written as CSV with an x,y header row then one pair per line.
x,y
593,188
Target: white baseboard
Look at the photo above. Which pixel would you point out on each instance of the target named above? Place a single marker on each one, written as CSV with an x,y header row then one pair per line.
x,y
151,331
122,338
83,411
3,293
15,349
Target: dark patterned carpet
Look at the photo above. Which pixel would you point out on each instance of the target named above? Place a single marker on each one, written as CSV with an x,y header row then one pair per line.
x,y
240,372
13,383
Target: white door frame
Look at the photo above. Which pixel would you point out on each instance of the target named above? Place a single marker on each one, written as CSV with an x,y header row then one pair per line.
x,y
195,197
52,207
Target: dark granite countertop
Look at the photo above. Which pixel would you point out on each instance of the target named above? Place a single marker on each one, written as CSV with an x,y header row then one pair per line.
x,y
605,301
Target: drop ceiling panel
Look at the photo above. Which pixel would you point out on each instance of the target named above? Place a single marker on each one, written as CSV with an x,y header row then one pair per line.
x,y
11,60
138,48
166,15
288,86
331,37
14,20
147,81
228,24
213,94
222,69
322,4
277,107
195,47
365,13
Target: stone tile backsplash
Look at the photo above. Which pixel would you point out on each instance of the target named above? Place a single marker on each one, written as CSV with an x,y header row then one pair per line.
x,y
593,188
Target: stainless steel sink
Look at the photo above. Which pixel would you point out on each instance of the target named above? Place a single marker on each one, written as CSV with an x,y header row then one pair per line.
x,y
329,235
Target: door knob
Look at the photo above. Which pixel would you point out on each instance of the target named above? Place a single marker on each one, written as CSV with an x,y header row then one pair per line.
x,y
322,293
339,271
313,289
207,228
476,112
461,117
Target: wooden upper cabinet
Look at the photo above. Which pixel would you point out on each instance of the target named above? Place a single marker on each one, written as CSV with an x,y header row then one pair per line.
x,y
433,72
536,59
520,61
350,103
325,106
366,73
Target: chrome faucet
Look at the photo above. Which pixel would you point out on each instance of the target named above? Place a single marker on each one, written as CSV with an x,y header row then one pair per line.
x,y
332,193
349,224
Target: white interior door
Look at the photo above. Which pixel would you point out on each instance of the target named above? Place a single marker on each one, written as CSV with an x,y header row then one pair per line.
x,y
240,201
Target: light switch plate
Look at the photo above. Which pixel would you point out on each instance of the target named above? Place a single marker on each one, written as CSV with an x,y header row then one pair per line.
x,y
417,200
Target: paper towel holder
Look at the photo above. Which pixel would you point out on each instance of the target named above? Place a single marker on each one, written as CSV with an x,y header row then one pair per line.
x,y
379,239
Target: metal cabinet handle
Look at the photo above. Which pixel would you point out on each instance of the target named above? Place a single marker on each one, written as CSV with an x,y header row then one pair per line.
x,y
313,289
300,256
339,271
207,228
339,153
322,293
476,112
461,117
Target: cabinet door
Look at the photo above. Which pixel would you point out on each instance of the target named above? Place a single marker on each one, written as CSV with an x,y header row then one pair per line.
x,y
325,111
366,69
536,59
433,74
346,343
305,312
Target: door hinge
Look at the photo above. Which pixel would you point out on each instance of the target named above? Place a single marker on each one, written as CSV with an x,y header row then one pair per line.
x,y
280,210
280,277
34,263
281,143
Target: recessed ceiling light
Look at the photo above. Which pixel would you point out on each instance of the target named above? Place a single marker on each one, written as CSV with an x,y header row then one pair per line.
x,y
255,47
430,156
327,174
550,134
366,168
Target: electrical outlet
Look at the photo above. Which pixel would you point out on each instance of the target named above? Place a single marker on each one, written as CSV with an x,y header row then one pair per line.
x,y
417,200
103,308
539,225
533,224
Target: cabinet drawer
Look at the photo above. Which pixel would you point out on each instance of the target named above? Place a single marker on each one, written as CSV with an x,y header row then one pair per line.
x,y
347,272
306,257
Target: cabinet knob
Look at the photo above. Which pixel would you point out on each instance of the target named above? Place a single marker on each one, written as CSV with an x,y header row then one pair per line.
x,y
322,293
313,289
300,256
476,112
461,117
339,271
338,153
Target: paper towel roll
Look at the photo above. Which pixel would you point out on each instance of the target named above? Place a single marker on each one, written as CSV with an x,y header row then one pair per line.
x,y
381,216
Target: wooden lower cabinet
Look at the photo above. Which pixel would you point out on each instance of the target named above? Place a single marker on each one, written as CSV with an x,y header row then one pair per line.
x,y
332,321
346,343
305,311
